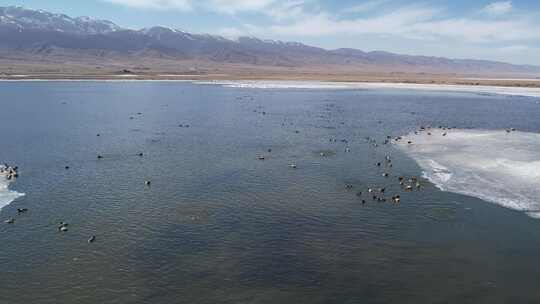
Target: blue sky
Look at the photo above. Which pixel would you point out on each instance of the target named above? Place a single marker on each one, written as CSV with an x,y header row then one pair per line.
x,y
497,30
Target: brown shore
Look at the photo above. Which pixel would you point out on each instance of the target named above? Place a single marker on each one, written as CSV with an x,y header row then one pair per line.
x,y
174,70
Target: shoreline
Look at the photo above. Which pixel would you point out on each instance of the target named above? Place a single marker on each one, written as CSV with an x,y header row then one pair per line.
x,y
515,81
312,84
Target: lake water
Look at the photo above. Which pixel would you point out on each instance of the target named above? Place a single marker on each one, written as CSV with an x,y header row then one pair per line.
x,y
218,225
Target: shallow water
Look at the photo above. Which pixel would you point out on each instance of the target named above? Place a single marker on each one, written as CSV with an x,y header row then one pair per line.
x,y
217,225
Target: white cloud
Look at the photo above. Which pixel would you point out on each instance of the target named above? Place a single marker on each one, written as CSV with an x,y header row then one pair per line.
x,y
323,24
365,6
287,10
499,8
223,6
183,5
234,32
235,6
413,22
517,49
397,22
480,31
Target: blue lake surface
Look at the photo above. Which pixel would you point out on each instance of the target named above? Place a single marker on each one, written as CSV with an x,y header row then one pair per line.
x,y
218,225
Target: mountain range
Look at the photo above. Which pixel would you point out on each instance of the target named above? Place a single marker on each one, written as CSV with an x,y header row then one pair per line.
x,y
41,36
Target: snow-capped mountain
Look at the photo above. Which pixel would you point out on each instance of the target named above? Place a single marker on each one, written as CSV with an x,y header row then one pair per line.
x,y
23,19
38,32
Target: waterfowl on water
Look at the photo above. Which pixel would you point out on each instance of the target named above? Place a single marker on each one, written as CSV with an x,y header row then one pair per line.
x,y
292,166
92,239
147,183
10,221
63,227
22,210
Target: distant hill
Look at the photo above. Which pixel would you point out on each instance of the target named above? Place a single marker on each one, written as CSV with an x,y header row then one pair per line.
x,y
40,34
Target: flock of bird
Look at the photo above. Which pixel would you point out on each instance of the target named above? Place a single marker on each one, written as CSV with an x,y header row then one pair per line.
x,y
10,173
376,194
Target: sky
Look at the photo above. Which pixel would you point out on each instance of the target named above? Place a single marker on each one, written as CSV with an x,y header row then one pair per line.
x,y
496,30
